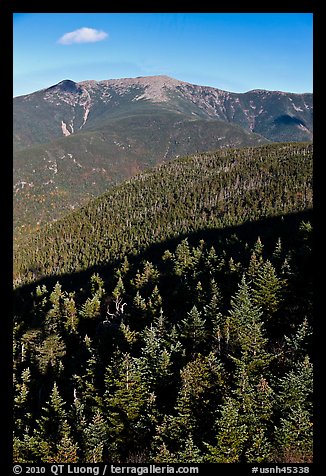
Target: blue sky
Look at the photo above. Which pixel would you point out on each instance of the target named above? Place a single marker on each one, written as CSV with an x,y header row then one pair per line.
x,y
231,51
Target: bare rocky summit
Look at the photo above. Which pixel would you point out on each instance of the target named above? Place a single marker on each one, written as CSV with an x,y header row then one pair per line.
x,y
74,140
276,115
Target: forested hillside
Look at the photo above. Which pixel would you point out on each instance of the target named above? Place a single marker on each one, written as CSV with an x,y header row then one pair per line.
x,y
72,141
202,355
49,183
205,191
170,320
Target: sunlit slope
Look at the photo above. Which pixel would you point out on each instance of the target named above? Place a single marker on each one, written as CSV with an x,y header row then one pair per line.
x,y
203,191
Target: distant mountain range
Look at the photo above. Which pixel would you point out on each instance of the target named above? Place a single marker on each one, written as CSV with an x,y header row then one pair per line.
x,y
72,141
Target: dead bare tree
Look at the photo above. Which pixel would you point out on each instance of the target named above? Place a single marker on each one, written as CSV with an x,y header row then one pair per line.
x,y
119,309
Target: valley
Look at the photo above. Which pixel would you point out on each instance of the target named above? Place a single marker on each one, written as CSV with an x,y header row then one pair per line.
x,y
74,140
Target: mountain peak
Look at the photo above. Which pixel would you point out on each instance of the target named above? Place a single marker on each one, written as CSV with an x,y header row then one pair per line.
x,y
145,81
153,88
67,86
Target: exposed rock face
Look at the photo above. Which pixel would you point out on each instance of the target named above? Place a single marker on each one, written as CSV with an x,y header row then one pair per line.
x,y
74,140
276,115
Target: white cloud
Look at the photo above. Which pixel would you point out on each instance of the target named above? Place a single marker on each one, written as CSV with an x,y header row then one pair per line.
x,y
82,35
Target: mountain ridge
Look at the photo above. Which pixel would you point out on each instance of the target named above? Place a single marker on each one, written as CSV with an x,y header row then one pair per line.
x,y
158,78
202,191
114,128
196,100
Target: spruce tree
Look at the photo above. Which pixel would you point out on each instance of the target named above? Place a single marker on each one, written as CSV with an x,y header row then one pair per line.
x,y
193,331
155,359
85,385
297,344
294,437
54,318
231,437
70,314
50,355
67,451
52,426
22,402
189,452
202,390
252,391
95,438
128,406
294,432
247,331
267,290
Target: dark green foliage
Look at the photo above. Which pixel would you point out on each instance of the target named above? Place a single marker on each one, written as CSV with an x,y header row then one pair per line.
x,y
294,400
192,330
50,354
165,380
193,194
197,350
267,289
231,435
119,128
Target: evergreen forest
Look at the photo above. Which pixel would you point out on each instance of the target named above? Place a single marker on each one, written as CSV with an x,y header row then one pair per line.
x,y
170,319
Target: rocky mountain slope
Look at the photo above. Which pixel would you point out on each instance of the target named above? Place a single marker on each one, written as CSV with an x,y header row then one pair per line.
x,y
69,107
73,140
